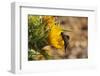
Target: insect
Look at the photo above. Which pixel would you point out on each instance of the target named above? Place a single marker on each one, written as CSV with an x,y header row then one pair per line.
x,y
66,40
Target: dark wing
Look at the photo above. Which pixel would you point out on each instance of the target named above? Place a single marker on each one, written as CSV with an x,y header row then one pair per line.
x,y
66,40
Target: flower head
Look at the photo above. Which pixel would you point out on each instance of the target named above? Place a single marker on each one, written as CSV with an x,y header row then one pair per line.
x,y
55,38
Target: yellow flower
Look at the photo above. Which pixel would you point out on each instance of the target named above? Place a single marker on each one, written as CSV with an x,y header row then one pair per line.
x,y
50,20
55,38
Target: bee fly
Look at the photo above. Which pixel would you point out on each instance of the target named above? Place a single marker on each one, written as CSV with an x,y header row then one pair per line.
x,y
66,40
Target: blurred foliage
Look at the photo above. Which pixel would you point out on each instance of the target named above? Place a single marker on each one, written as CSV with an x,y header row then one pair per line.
x,y
37,35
